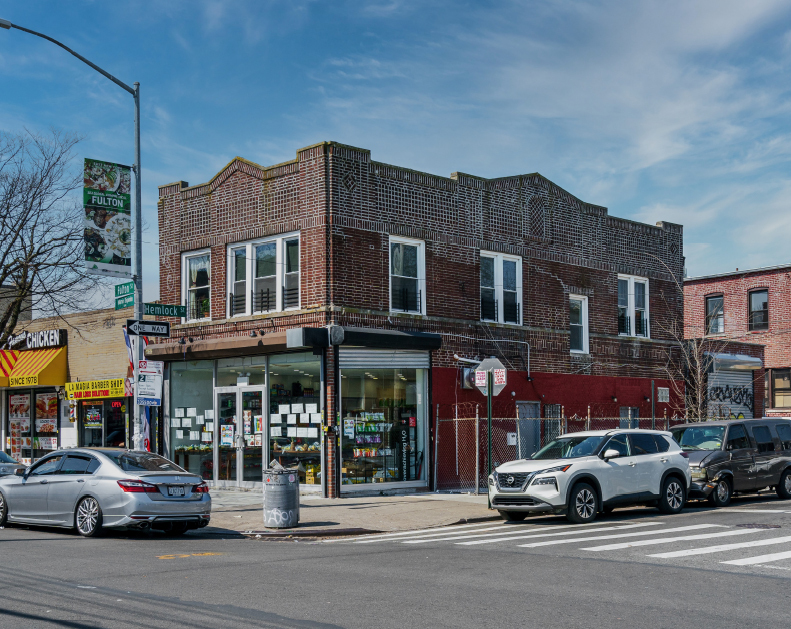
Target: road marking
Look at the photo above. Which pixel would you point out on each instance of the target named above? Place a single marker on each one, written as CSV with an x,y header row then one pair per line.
x,y
722,547
452,527
187,555
751,561
574,532
668,540
593,539
429,535
474,534
740,510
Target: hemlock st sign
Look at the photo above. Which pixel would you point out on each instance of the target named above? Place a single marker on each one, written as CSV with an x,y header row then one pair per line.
x,y
164,310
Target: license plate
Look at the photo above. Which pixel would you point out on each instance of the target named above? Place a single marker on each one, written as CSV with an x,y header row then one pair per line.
x,y
175,491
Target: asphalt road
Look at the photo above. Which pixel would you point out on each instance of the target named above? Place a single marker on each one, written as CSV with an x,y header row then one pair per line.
x,y
574,578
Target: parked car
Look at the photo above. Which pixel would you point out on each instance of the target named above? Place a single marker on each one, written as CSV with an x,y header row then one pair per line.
x,y
583,474
9,465
95,488
737,456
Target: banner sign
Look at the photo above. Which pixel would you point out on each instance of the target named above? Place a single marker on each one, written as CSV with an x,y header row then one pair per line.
x,y
95,389
149,382
107,200
163,310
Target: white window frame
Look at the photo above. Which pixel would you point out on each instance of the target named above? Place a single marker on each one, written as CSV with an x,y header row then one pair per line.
x,y
280,273
421,272
185,257
632,279
499,258
585,329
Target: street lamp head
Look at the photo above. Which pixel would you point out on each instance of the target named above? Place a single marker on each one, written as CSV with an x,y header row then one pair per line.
x,y
5,24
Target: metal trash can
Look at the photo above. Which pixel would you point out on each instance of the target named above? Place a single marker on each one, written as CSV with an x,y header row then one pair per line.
x,y
281,498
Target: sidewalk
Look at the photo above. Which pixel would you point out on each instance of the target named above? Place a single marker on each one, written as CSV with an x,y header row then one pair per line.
x,y
242,512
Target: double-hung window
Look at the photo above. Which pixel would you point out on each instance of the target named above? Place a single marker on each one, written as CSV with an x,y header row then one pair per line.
x,y
196,284
578,324
715,315
781,388
501,288
759,310
263,276
407,275
633,306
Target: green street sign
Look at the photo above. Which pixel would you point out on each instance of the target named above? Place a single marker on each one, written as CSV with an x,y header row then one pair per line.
x,y
125,301
127,288
163,310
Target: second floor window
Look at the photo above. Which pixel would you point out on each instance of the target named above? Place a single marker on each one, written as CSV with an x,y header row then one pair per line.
x,y
263,276
759,310
633,306
578,323
197,284
715,315
501,288
407,275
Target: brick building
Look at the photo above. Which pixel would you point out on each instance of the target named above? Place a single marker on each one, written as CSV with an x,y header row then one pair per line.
x,y
751,306
406,270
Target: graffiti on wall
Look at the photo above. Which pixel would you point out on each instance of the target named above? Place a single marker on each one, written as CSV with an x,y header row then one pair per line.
x,y
740,396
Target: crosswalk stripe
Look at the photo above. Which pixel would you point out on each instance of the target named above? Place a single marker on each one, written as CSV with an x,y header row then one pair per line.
x,y
619,535
573,532
721,548
429,535
475,534
668,540
450,527
751,561
746,510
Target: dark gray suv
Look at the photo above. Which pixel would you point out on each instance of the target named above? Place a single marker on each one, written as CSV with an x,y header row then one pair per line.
x,y
737,456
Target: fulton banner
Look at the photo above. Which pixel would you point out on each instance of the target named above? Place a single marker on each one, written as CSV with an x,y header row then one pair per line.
x,y
107,200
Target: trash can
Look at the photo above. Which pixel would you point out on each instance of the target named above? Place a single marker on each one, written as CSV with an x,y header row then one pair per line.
x,y
281,498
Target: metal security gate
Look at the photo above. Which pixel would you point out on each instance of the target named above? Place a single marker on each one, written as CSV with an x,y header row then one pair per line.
x,y
731,393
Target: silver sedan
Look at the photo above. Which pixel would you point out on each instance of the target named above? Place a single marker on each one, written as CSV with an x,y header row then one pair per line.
x,y
95,488
9,465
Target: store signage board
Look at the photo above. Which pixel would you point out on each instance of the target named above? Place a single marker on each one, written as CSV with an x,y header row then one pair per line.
x,y
149,382
107,200
95,389
38,340
164,310
499,375
148,328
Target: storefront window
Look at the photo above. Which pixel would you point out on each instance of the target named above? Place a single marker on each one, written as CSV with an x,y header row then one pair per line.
x,y
192,416
295,413
242,371
19,426
383,425
92,420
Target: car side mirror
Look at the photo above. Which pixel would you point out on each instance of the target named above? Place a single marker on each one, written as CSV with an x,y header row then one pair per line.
x,y
19,472
612,453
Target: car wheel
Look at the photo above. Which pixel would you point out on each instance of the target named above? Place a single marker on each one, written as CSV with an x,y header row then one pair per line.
x,y
178,528
583,504
513,516
721,496
89,517
3,510
784,486
673,496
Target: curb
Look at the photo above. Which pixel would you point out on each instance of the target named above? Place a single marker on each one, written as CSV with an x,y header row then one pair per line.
x,y
285,533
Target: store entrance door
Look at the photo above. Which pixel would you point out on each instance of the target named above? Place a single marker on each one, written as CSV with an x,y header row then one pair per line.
x,y
240,434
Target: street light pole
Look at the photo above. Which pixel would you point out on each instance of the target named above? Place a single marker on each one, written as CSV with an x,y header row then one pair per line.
x,y
138,213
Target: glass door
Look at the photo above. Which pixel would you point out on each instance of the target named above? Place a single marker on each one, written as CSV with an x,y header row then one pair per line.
x,y
226,435
252,429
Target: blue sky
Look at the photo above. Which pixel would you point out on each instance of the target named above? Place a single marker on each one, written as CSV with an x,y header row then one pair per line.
x,y
666,110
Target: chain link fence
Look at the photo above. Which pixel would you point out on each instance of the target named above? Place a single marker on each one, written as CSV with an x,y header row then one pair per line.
x,y
461,440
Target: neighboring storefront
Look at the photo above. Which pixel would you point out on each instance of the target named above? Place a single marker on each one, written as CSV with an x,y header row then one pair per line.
x,y
101,410
32,375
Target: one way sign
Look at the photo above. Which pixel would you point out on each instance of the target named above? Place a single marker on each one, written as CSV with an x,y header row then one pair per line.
x,y
148,328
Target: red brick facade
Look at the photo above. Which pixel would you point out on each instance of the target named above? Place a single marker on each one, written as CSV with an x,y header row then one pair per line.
x,y
346,206
735,289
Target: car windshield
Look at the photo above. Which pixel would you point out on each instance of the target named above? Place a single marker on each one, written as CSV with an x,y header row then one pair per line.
x,y
142,462
699,437
569,448
4,458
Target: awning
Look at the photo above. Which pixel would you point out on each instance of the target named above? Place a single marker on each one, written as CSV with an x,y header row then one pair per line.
x,y
741,362
8,359
40,367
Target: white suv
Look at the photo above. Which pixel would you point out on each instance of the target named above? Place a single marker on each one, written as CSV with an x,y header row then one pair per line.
x,y
584,473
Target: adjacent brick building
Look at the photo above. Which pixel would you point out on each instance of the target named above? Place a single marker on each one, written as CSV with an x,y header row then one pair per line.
x,y
751,306
407,270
